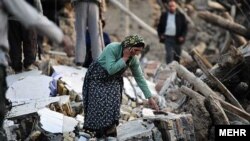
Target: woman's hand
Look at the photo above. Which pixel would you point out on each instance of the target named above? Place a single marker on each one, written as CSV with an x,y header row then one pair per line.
x,y
153,104
126,54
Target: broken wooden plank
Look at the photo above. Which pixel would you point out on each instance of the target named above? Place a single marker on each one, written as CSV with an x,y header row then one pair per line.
x,y
216,111
215,5
203,60
134,17
227,106
223,89
235,110
207,91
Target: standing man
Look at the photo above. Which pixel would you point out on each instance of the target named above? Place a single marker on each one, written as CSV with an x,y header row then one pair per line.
x,y
22,41
172,30
87,14
31,19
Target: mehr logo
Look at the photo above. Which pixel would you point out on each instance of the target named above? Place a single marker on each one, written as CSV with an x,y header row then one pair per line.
x,y
232,132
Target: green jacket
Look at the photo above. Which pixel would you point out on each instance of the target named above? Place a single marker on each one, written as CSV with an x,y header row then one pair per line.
x,y
111,60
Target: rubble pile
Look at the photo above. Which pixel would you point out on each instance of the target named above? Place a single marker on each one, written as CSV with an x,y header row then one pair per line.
x,y
190,105
52,108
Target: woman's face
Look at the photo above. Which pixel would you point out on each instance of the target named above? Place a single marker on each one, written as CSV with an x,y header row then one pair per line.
x,y
135,50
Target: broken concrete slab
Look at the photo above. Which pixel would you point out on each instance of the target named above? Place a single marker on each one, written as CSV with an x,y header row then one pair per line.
x,y
15,77
29,88
174,126
136,130
129,89
55,122
30,106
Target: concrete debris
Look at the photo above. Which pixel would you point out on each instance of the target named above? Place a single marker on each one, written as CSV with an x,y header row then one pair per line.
x,y
135,130
147,112
26,99
16,77
67,81
133,91
9,127
30,106
21,90
174,127
64,114
55,122
151,68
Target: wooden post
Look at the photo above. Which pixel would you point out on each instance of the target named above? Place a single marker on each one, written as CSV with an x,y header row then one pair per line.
x,y
127,18
134,17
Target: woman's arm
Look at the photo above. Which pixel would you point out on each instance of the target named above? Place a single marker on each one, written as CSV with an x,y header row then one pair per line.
x,y
113,65
139,77
141,81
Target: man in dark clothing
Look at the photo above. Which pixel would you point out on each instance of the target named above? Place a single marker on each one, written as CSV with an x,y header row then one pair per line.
x,y
24,41
172,30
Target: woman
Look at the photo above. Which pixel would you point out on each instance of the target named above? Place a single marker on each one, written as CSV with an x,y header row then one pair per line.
x,y
103,85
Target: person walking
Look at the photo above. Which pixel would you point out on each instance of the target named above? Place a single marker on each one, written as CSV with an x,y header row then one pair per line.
x,y
172,30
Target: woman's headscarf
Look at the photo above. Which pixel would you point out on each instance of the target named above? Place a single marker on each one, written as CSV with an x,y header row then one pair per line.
x,y
133,41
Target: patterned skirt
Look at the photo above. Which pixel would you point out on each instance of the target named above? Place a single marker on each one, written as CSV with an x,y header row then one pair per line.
x,y
101,98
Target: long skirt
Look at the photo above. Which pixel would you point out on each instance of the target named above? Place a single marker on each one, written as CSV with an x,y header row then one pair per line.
x,y
101,98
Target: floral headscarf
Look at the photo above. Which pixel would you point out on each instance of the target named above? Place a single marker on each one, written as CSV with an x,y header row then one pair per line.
x,y
132,40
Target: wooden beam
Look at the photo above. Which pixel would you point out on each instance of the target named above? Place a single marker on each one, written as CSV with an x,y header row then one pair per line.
x,y
223,23
134,17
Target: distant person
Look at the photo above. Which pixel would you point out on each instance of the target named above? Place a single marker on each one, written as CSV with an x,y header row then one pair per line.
x,y
87,15
88,58
103,85
29,17
23,42
172,30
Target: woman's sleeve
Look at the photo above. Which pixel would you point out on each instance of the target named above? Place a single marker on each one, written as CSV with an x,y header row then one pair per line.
x,y
139,77
113,65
